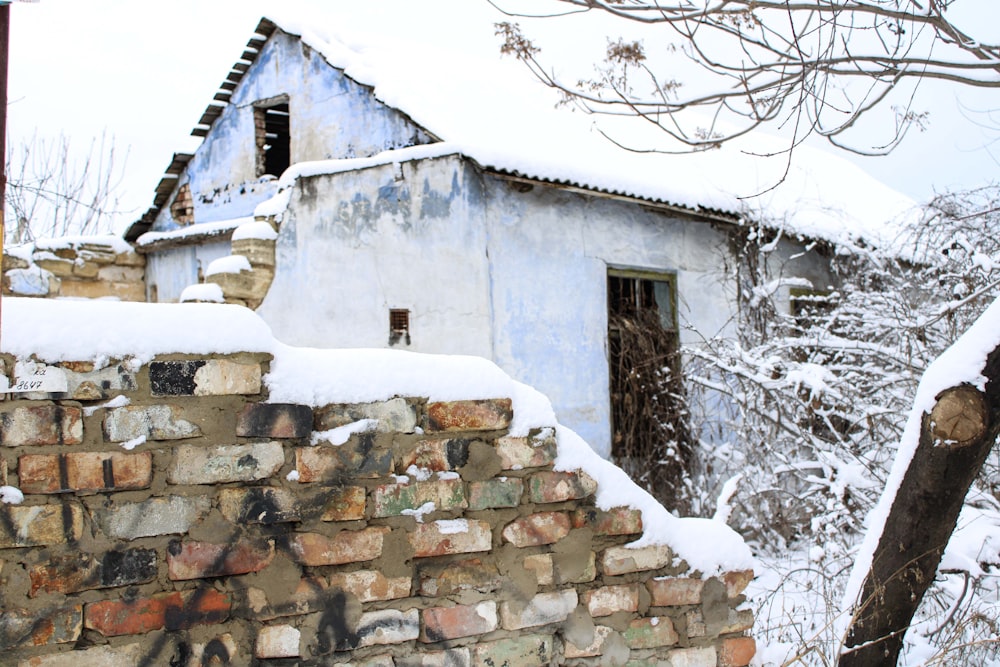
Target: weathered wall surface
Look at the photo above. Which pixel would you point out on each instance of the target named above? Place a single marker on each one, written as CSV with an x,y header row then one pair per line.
x,y
222,173
171,516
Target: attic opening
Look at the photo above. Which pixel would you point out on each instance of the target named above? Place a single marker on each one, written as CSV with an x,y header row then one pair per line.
x,y
650,437
399,326
273,138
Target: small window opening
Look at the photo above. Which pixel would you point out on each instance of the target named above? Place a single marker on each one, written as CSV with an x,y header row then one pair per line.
x,y
399,326
273,139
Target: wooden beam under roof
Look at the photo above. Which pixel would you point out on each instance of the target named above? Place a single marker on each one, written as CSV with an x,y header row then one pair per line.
x,y
223,96
256,44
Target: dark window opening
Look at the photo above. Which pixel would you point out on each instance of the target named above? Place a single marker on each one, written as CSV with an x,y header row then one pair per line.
x,y
649,428
273,138
399,326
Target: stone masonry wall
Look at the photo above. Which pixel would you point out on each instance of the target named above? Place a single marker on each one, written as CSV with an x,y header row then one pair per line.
x,y
173,517
85,269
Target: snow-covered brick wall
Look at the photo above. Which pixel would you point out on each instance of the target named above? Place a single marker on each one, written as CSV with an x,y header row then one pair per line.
x,y
177,487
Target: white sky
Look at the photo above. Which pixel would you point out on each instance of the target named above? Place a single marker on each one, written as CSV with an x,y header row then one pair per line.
x,y
145,71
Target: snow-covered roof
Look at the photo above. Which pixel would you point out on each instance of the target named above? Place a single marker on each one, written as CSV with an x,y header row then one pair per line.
x,y
493,110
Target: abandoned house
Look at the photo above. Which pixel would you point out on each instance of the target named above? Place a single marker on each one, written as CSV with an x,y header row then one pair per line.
x,y
428,203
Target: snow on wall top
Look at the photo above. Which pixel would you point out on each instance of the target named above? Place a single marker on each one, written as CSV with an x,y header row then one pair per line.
x,y
493,110
136,332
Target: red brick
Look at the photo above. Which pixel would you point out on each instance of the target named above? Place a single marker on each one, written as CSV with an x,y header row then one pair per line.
x,y
485,415
199,560
170,611
77,572
48,424
737,651
347,546
259,504
345,504
396,499
555,487
608,600
457,536
675,591
616,521
357,458
84,471
537,529
623,560
443,623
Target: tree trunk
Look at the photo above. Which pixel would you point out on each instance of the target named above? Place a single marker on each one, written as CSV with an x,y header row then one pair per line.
x,y
954,442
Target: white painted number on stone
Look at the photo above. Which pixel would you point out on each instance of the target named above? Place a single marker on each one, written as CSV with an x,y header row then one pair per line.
x,y
31,376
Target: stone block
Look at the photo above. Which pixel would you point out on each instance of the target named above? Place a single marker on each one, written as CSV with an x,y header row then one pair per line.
x,y
47,424
277,641
394,416
705,656
521,651
360,457
616,521
543,609
453,657
455,536
674,591
737,581
537,529
259,252
623,560
484,415
204,377
200,560
154,422
197,464
388,626
57,266
39,525
395,499
447,579
595,648
444,623
99,289
259,505
168,611
518,453
121,274
371,585
249,285
97,384
346,503
84,269
79,571
737,651
347,546
130,259
651,632
495,493
84,471
127,655
437,455
274,420
155,516
21,628
609,600
556,487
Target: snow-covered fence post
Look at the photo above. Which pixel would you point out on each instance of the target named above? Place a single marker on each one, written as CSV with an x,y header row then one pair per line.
x,y
953,436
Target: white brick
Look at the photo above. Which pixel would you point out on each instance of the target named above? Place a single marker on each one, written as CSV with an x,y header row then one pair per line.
x,y
195,464
543,609
278,641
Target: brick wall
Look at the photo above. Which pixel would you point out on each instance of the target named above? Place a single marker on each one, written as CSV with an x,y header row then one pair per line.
x,y
172,517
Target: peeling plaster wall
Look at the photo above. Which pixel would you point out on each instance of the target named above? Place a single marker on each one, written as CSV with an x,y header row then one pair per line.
x,y
168,272
331,117
550,252
353,245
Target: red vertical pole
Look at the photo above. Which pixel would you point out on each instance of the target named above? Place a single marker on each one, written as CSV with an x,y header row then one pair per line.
x,y
4,50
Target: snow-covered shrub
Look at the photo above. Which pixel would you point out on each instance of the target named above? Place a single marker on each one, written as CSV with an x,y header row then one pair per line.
x,y
801,414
